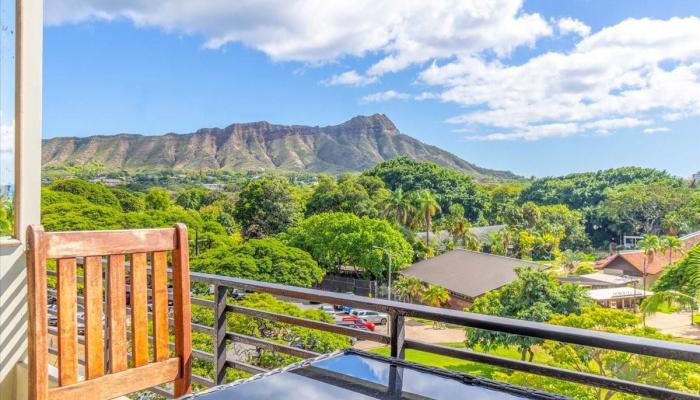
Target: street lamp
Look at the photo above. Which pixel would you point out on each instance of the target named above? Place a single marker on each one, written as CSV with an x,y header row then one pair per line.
x,y
388,253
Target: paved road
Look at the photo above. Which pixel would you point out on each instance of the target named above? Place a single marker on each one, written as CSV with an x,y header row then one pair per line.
x,y
676,324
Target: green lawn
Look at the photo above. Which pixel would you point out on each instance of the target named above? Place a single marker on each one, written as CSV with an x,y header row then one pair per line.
x,y
455,364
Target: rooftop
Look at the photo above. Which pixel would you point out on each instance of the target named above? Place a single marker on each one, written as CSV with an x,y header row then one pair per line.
x,y
469,273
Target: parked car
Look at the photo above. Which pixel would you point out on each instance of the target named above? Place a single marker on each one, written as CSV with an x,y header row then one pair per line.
x,y
372,316
330,310
340,307
358,322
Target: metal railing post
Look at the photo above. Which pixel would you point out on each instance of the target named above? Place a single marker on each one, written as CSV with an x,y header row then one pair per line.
x,y
220,334
397,332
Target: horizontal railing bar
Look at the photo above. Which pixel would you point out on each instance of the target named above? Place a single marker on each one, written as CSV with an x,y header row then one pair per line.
x,y
605,340
161,392
308,323
202,302
245,367
281,348
203,381
554,372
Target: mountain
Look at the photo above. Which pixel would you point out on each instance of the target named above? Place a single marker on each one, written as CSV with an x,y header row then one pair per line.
x,y
355,145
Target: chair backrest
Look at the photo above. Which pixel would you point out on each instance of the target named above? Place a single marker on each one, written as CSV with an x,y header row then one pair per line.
x,y
109,371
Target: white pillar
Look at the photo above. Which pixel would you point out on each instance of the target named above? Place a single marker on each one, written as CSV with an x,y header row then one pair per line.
x,y
13,287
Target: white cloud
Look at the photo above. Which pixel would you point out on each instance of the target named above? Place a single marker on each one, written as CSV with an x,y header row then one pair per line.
x,y
350,78
660,129
571,25
401,32
385,96
624,76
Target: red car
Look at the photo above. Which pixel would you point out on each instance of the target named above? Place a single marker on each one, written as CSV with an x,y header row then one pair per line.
x,y
359,322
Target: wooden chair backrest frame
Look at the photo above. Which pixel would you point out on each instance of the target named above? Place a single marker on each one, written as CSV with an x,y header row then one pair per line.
x,y
114,378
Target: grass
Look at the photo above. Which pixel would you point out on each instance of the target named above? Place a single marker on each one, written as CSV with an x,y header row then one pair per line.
x,y
455,364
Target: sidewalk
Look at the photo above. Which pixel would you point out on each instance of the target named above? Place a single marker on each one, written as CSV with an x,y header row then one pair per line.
x,y
676,324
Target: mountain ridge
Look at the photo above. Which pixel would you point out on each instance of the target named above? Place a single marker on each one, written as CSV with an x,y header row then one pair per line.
x,y
351,146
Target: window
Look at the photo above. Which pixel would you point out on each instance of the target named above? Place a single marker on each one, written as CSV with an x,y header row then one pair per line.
x,y
7,117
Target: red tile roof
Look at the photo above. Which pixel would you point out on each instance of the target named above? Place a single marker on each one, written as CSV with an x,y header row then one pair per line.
x,y
660,261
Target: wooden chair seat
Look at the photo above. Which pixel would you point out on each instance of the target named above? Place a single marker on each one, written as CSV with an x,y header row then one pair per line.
x,y
109,371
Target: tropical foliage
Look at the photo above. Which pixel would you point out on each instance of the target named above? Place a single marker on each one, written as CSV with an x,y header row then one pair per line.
x,y
535,295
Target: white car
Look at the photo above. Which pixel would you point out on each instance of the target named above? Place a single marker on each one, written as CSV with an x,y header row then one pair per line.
x,y
374,317
328,310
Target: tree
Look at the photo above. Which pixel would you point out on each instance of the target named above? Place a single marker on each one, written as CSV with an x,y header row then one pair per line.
x,y
129,201
341,239
267,260
682,276
678,285
448,185
360,195
6,216
408,287
95,193
650,245
194,198
642,369
570,260
157,199
427,205
398,207
672,244
642,208
535,295
267,206
435,296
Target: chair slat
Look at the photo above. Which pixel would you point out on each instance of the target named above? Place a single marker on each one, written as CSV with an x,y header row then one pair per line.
x,y
102,243
94,322
118,347
159,283
182,310
67,322
139,309
38,386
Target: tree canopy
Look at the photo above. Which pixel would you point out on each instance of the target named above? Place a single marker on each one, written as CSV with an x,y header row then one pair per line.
x,y
267,206
535,295
268,260
449,186
342,239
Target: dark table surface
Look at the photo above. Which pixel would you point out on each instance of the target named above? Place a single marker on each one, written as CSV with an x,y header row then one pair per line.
x,y
353,374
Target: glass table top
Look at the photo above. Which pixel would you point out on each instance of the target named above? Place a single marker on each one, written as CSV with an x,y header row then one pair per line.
x,y
357,375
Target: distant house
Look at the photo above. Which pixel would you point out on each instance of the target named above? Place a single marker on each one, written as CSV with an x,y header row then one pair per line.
x,y
631,263
467,274
625,298
602,280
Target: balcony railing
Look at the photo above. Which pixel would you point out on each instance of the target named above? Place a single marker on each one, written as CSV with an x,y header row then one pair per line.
x,y
397,341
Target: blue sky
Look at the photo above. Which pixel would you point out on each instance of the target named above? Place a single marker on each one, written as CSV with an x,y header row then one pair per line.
x,y
538,88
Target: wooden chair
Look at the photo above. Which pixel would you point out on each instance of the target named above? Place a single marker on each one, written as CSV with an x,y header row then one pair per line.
x,y
120,375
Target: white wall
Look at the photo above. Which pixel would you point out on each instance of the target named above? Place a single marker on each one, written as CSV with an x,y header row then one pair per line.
x,y
13,287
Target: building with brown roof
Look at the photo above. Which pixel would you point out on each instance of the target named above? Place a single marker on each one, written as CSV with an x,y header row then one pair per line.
x,y
631,263
468,274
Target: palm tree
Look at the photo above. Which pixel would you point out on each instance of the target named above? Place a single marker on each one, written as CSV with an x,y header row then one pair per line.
x,y
569,260
435,296
398,207
409,287
671,244
658,300
653,303
650,245
428,205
